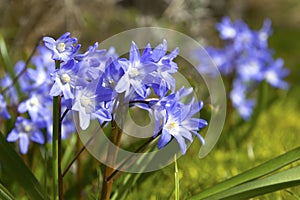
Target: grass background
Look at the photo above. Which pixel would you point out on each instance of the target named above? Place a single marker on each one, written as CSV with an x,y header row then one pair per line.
x,y
278,127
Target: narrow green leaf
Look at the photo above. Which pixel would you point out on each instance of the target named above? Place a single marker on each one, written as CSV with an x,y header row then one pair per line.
x,y
5,194
254,173
68,152
129,181
5,57
272,183
18,171
176,179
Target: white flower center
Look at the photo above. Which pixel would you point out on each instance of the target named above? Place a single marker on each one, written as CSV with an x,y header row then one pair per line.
x,y
170,126
263,36
65,78
27,128
85,101
133,72
61,47
229,32
34,101
271,76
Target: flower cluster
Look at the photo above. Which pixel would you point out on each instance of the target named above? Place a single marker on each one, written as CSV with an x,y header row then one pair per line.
x,y
90,84
36,83
247,60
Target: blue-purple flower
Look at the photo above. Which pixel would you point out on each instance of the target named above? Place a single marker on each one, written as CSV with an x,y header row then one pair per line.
x,y
275,73
64,48
247,59
176,119
35,106
165,69
136,74
65,79
24,131
93,62
90,102
3,109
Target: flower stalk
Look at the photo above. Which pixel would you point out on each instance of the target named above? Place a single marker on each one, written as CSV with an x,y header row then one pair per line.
x,y
111,156
56,146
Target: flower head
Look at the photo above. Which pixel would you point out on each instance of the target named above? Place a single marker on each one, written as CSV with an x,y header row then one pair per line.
x,y
24,131
93,62
247,60
65,80
64,48
90,102
176,119
136,74
35,106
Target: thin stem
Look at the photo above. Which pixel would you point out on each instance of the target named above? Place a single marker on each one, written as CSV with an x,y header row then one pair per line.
x,y
82,149
56,146
110,157
79,172
64,114
143,146
60,178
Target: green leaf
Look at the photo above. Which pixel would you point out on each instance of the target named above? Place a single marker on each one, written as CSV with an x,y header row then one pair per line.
x,y
254,173
18,171
5,57
278,181
176,179
5,194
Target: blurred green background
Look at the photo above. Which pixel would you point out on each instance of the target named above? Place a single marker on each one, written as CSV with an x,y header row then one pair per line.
x,y
22,23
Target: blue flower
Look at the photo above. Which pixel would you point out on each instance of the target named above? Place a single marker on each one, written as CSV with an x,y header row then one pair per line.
x,y
136,74
43,59
24,131
175,119
35,106
7,83
64,48
275,73
238,98
264,33
247,60
65,80
93,62
165,69
90,102
226,29
3,110
250,70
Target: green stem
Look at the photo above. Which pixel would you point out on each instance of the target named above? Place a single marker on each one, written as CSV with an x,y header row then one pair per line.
x,y
176,179
79,171
56,146
111,158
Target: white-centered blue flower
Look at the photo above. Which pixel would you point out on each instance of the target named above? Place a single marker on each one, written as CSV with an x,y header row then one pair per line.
x,y
64,48
136,74
24,131
65,79
90,102
176,119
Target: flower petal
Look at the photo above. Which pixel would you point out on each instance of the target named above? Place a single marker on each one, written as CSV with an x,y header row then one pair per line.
x,y
24,143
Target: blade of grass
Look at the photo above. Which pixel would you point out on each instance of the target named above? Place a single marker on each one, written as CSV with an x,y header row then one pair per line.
x,y
256,172
5,194
272,183
176,179
18,171
5,57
